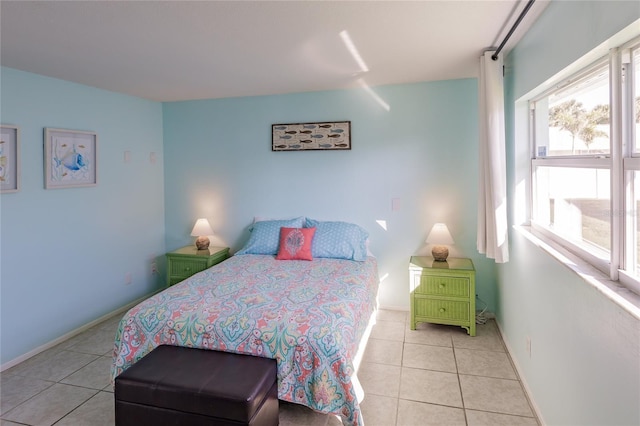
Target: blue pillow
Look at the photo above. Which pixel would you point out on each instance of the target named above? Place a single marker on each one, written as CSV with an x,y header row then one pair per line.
x,y
265,235
338,240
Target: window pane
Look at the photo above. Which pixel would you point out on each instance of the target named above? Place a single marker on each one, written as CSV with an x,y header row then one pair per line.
x,y
575,204
575,119
632,224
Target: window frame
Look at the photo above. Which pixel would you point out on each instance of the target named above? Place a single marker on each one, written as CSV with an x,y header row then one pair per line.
x,y
622,161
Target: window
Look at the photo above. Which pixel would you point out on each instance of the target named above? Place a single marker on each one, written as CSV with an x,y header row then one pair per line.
x,y
586,163
574,119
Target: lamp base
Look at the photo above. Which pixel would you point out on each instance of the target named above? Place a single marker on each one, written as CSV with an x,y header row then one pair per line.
x,y
440,253
202,243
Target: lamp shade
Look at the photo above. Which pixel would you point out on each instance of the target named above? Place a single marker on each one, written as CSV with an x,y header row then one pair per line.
x,y
440,235
201,228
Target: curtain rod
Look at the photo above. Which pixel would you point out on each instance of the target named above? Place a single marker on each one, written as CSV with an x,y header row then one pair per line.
x,y
513,28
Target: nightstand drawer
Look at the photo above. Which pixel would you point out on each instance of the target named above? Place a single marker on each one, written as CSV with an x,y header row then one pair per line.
x,y
444,286
442,309
186,261
186,267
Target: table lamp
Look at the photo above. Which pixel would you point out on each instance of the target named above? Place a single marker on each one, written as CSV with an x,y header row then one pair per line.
x,y
439,236
201,230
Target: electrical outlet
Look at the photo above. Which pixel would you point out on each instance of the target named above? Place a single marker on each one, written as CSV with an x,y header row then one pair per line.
x,y
528,346
154,268
127,278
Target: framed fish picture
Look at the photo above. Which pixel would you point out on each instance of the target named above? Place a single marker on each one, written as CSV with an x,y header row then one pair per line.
x,y
9,159
334,135
70,158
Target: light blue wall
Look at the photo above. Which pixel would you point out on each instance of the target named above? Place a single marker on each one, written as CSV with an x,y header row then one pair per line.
x,y
423,151
65,252
584,367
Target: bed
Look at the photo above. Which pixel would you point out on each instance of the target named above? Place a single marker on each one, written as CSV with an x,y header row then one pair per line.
x,y
310,315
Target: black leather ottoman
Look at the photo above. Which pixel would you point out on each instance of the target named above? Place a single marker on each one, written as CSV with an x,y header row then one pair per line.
x,y
183,386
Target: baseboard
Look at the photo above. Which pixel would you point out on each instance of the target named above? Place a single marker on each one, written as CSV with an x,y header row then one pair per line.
x,y
522,380
72,333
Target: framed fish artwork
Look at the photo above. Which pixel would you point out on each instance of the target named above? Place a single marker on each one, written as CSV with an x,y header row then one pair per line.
x,y
334,135
9,159
70,158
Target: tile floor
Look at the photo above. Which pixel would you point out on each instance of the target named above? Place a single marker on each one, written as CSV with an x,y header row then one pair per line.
x,y
436,375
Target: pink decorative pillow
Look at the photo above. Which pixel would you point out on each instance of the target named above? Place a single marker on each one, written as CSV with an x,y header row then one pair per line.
x,y
295,243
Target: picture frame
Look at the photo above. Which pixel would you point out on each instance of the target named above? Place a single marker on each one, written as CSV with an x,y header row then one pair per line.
x,y
9,159
318,136
70,158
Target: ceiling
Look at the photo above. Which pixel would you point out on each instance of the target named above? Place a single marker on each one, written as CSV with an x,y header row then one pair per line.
x,y
183,50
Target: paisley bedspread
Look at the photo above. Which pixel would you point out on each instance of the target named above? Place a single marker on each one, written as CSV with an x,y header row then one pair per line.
x,y
308,315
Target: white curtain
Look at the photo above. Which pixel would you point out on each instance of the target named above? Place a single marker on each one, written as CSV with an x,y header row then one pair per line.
x,y
492,183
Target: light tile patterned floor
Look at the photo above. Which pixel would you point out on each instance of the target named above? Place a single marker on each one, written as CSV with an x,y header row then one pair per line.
x,y
436,375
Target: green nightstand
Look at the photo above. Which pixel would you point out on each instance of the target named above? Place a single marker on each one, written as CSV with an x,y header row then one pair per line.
x,y
186,261
443,292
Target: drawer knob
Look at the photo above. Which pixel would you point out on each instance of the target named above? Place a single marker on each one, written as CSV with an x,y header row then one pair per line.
x,y
187,269
443,285
442,310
